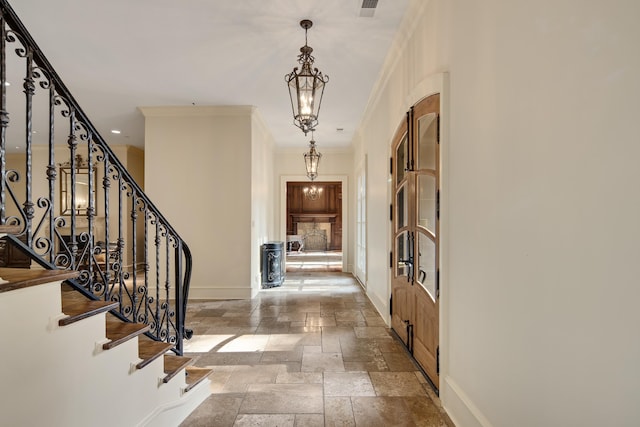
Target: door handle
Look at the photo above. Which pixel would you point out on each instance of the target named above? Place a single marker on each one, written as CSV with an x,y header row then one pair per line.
x,y
408,263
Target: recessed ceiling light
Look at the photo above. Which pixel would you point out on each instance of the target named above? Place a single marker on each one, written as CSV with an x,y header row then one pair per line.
x,y
7,84
116,131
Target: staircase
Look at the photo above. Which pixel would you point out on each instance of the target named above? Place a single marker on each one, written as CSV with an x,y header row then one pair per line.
x,y
75,205
94,317
70,362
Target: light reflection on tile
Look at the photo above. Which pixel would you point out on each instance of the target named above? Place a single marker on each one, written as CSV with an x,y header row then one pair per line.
x,y
246,343
204,343
312,352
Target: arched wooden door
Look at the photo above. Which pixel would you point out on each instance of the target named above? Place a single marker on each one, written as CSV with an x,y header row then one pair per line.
x,y
415,256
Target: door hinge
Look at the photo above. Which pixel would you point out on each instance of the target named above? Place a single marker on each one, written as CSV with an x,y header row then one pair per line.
x,y
410,159
438,204
390,165
391,305
390,259
438,283
391,212
438,129
438,360
409,336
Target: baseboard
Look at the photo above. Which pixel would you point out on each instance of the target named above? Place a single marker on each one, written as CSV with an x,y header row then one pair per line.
x,y
362,285
381,306
459,407
173,413
219,293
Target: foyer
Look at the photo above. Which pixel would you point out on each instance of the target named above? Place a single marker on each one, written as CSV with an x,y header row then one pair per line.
x,y
313,352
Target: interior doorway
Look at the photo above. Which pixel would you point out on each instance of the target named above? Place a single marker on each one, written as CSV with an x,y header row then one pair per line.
x,y
314,226
415,287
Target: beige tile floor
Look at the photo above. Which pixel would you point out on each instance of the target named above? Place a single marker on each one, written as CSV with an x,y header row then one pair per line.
x,y
313,261
312,352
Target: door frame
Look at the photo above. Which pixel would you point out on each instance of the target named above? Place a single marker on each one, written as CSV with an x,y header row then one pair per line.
x,y
436,83
343,179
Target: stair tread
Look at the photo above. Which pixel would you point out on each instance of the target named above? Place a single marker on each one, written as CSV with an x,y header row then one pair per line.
x,y
18,278
119,331
195,375
10,229
174,364
149,350
78,307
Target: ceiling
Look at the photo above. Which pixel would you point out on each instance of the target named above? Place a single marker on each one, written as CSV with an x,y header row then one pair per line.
x,y
118,55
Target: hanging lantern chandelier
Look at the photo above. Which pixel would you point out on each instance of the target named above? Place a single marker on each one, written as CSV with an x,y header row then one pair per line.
x,y
306,87
312,193
311,160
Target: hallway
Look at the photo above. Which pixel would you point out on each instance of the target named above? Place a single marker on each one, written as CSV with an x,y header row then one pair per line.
x,y
313,352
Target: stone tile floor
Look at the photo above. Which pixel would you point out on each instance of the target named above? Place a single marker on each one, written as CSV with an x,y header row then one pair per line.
x,y
312,352
313,261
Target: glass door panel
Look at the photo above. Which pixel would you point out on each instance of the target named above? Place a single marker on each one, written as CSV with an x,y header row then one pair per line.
x,y
401,207
402,154
427,133
402,254
427,202
427,264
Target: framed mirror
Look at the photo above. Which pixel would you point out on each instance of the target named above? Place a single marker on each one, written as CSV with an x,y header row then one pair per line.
x,y
78,202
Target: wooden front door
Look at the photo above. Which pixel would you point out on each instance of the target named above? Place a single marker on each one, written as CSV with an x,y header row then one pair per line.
x,y
415,287
402,278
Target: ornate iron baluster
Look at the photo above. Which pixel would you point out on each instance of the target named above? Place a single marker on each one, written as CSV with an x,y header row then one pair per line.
x,y
91,211
51,171
167,285
134,293
180,310
73,145
120,243
29,90
60,240
4,118
106,185
157,244
146,265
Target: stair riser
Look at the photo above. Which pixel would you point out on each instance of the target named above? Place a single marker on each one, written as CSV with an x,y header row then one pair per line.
x,y
67,375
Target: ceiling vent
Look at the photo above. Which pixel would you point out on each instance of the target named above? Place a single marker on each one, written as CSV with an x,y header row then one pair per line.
x,y
368,8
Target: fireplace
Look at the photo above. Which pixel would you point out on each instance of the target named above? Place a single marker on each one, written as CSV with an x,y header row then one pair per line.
x,y
316,235
317,230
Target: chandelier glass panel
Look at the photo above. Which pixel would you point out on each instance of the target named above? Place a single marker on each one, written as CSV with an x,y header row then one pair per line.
x,y
312,160
306,87
312,193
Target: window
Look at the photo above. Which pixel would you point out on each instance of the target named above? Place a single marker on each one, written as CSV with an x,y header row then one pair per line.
x,y
361,227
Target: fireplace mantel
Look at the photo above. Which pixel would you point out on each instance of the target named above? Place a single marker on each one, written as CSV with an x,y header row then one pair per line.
x,y
310,217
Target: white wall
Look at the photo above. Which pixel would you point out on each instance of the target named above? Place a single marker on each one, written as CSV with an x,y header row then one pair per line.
x,y
413,70
198,173
539,315
262,191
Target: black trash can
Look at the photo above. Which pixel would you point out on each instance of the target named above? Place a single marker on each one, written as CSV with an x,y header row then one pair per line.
x,y
272,264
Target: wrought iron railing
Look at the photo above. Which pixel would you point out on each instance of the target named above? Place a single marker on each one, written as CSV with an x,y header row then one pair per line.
x,y
77,205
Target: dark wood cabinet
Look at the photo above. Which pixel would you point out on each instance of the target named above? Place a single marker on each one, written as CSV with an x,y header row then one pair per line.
x,y
11,256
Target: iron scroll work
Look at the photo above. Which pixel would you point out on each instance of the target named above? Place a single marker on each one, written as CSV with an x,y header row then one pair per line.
x,y
123,247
